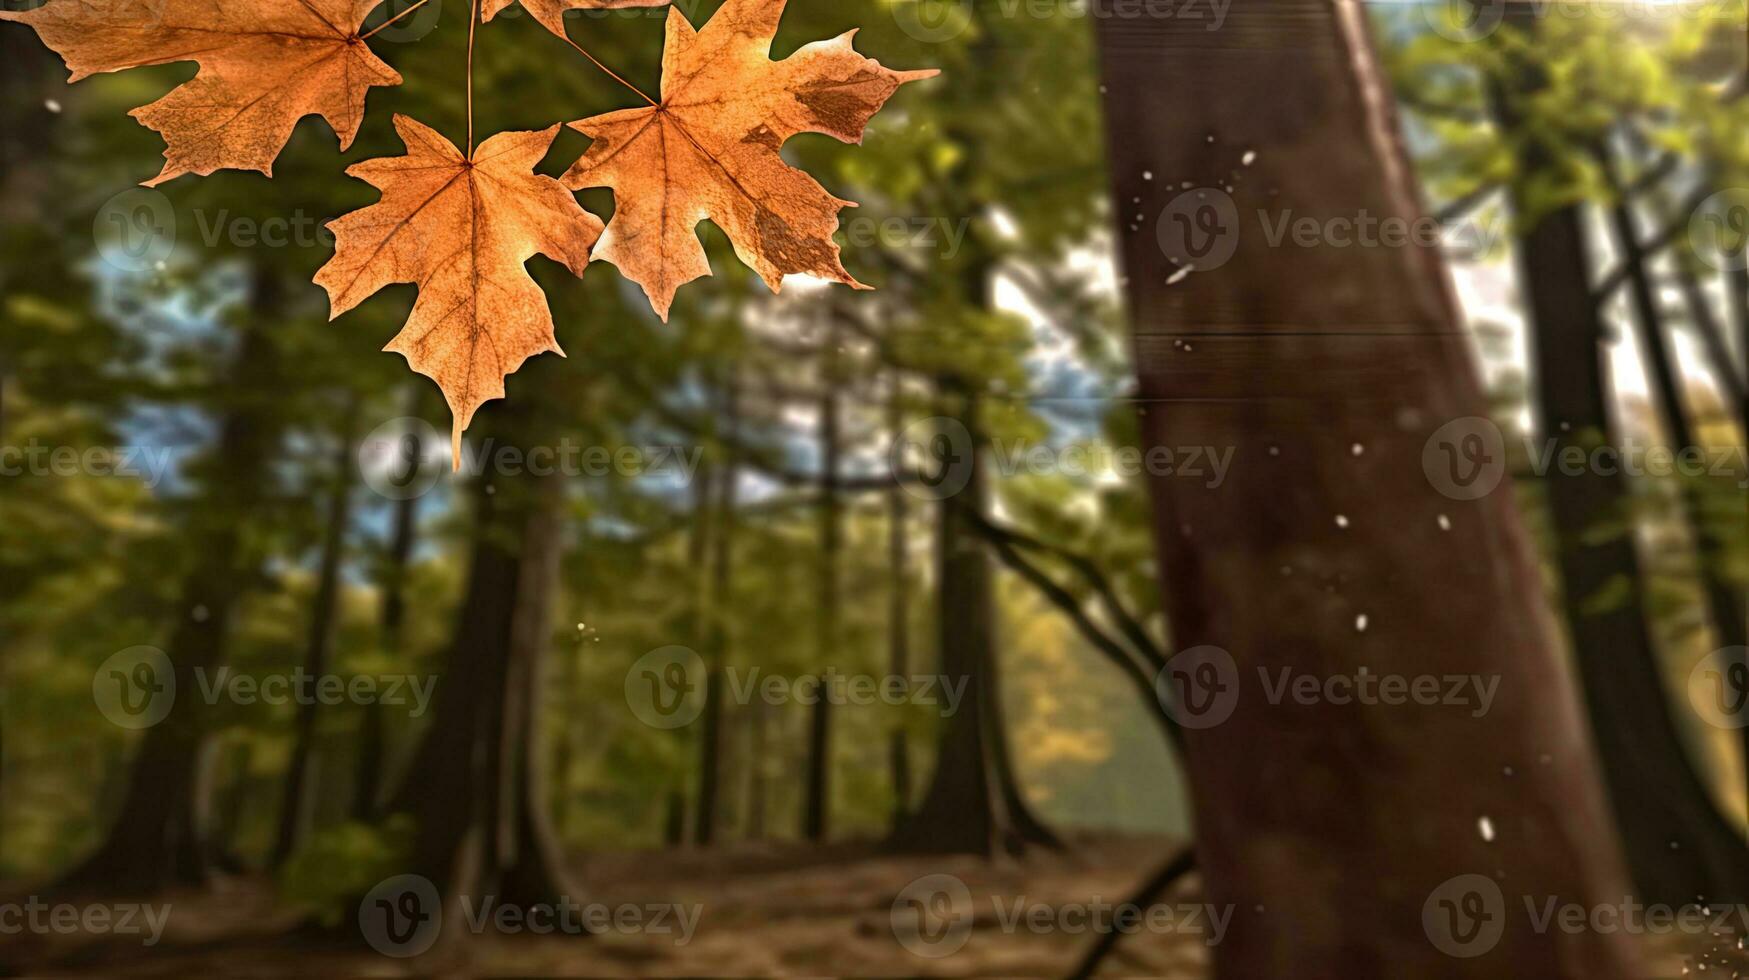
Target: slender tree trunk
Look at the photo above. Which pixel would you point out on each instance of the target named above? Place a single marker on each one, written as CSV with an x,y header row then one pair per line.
x,y
159,836
758,774
1292,357
715,632
817,804
1737,294
1724,603
898,611
392,618
319,652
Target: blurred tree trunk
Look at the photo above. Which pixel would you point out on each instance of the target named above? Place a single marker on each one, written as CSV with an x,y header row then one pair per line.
x,y
392,620
758,718
1664,377
817,801
477,790
973,804
373,737
1292,357
715,630
319,650
898,609
30,75
159,837
1655,794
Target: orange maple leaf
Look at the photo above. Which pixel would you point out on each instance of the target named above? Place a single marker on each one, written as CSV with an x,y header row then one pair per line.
x,y
462,229
709,150
264,64
551,13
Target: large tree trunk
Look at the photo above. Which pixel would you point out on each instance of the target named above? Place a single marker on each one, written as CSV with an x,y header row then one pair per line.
x,y
1293,357
478,784
159,837
319,651
973,804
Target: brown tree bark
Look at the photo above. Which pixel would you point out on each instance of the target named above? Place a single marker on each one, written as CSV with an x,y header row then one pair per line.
x,y
392,620
714,629
477,790
159,835
319,648
1330,828
898,609
817,792
973,803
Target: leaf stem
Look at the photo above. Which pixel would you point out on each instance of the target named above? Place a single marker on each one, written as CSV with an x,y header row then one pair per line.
x,y
611,73
373,31
473,22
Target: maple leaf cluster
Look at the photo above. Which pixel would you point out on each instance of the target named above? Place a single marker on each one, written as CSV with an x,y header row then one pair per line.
x,y
462,225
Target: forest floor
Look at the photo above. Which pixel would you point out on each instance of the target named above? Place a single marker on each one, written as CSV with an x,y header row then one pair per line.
x,y
763,910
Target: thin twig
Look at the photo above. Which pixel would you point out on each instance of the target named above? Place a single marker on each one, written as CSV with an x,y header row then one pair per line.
x,y
611,73
373,31
473,22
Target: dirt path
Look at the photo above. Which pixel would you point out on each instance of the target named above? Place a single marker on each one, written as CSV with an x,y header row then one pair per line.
x,y
761,911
